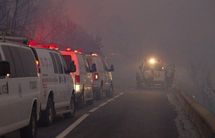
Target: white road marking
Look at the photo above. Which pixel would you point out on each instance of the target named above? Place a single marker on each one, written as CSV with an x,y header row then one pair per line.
x,y
103,104
110,100
121,94
94,109
83,117
116,96
73,126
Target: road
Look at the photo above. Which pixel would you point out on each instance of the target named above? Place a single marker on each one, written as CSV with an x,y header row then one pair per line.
x,y
135,114
129,114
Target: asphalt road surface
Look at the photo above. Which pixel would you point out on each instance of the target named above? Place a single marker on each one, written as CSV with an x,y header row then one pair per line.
x,y
136,114
129,114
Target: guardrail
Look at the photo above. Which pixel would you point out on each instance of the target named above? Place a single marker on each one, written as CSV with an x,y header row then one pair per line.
x,y
199,115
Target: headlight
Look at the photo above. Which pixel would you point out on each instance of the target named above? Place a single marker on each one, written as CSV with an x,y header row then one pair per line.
x,y
77,88
152,61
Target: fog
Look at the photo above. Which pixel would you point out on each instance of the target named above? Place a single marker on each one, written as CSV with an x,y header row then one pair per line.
x,y
180,32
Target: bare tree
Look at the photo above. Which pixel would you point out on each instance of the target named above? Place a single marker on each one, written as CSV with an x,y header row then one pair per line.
x,y
15,15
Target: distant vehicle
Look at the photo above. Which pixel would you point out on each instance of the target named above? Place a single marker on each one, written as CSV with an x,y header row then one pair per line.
x,y
151,73
102,76
57,88
19,88
82,77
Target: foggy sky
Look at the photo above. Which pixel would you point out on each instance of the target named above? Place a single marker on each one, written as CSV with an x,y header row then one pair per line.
x,y
139,24
179,31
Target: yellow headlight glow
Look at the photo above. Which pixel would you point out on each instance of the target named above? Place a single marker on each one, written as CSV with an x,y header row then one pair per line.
x,y
152,61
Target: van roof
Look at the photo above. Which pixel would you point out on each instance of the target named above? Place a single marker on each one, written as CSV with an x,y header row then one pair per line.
x,y
65,52
46,49
13,43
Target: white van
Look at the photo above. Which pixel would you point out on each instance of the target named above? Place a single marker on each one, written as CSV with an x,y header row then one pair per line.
x,y
102,76
82,77
19,89
57,88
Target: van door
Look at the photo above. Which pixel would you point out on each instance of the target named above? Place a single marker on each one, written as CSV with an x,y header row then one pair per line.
x,y
59,88
88,79
67,82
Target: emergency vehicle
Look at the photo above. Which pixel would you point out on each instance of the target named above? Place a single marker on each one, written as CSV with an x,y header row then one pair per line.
x,y
19,88
151,73
102,76
57,88
82,77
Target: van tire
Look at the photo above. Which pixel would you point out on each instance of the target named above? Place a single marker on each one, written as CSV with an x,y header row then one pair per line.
x,y
30,131
49,114
72,108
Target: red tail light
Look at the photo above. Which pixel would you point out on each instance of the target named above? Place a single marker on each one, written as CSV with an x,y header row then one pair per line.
x,y
77,78
95,76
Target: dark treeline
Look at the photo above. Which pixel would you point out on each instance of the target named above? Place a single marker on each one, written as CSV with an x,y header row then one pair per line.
x,y
44,21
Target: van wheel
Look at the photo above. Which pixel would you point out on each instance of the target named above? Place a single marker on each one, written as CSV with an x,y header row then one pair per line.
x,y
49,113
72,108
30,131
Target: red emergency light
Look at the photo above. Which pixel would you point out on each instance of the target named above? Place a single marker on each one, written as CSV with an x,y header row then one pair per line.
x,y
68,49
32,43
35,44
53,47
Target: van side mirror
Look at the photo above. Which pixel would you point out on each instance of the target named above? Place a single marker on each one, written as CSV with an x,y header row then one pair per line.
x,y
111,68
72,67
4,68
93,68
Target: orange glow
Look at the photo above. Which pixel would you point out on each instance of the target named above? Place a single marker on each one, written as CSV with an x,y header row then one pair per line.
x,y
37,62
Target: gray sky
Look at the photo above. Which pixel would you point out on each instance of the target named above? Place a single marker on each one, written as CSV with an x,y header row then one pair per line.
x,y
181,30
147,24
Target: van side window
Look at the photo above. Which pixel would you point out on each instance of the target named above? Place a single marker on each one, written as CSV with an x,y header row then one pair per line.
x,y
21,61
54,62
67,60
28,62
65,66
17,61
82,64
59,64
86,63
9,58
